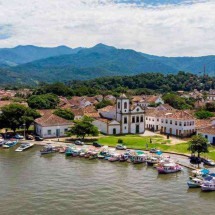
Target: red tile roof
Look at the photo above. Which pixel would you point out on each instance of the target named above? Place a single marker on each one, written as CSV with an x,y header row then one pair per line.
x,y
208,130
50,119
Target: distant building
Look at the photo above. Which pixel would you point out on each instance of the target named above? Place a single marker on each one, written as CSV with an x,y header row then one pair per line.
x,y
121,119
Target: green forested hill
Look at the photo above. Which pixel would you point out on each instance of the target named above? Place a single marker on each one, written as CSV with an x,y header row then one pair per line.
x,y
65,64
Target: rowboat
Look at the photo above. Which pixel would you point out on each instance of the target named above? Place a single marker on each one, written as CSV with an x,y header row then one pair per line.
x,y
24,146
10,144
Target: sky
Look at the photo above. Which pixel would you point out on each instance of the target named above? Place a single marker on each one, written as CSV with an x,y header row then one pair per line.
x,y
159,27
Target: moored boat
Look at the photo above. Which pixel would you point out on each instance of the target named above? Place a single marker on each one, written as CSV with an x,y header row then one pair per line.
x,y
169,168
9,144
152,160
24,146
114,157
209,184
48,150
194,182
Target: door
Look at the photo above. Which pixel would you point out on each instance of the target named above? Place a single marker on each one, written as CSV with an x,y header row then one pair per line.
x,y
58,132
137,129
170,131
213,140
114,131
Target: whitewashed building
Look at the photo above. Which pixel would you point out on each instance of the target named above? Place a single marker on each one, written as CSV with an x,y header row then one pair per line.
x,y
123,119
208,133
177,123
49,125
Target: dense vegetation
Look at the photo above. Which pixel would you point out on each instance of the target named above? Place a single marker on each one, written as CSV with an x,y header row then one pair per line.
x,y
203,114
139,84
64,113
44,101
63,64
14,116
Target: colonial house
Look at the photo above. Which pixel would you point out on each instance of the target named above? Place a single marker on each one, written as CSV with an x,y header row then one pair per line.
x,y
121,119
49,125
145,101
208,133
165,107
178,123
211,95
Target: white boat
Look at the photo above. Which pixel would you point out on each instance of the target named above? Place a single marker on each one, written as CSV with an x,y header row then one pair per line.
x,y
194,182
208,185
24,146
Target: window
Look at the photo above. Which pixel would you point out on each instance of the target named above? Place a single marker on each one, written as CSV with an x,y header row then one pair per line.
x,y
185,124
166,121
133,119
125,105
125,120
138,109
162,121
179,123
146,118
137,119
118,105
171,122
206,136
141,119
157,120
176,123
65,130
49,132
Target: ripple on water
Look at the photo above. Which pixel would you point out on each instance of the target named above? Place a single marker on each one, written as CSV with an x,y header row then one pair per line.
x,y
53,184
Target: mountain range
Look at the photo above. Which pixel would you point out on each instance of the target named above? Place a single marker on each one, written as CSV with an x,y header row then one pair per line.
x,y
32,64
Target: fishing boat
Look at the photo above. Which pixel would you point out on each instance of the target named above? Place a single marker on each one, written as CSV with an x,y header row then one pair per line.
x,y
152,160
114,157
48,150
209,184
9,144
123,157
24,146
194,182
93,155
62,149
138,159
169,168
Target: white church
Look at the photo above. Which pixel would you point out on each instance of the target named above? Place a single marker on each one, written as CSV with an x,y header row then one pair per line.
x,y
122,119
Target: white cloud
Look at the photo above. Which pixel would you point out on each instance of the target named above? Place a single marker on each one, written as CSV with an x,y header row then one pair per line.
x,y
171,30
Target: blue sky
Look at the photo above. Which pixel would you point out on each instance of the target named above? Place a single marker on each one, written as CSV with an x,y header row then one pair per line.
x,y
160,27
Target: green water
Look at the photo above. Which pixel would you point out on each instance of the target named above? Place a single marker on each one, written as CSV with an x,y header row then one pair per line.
x,y
55,185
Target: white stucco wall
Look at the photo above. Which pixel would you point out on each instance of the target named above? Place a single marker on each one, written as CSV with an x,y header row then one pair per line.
x,y
43,131
209,137
102,126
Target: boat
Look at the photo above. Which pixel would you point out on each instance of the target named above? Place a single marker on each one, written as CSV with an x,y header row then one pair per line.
x,y
194,182
114,158
9,144
24,146
169,168
62,149
209,184
152,160
93,155
123,157
138,159
48,150
208,162
200,173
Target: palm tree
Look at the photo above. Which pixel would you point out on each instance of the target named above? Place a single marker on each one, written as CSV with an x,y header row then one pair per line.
x,y
198,144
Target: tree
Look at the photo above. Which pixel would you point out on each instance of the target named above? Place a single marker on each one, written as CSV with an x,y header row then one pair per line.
x,y
210,106
198,144
45,101
84,127
203,114
64,113
103,103
14,116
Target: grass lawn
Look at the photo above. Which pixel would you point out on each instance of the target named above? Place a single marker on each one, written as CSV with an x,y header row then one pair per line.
x,y
138,142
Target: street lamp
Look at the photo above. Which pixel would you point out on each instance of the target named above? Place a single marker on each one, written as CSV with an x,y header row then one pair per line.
x,y
24,130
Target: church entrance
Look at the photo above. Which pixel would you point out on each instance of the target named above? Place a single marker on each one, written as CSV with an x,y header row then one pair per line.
x,y
137,129
114,131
